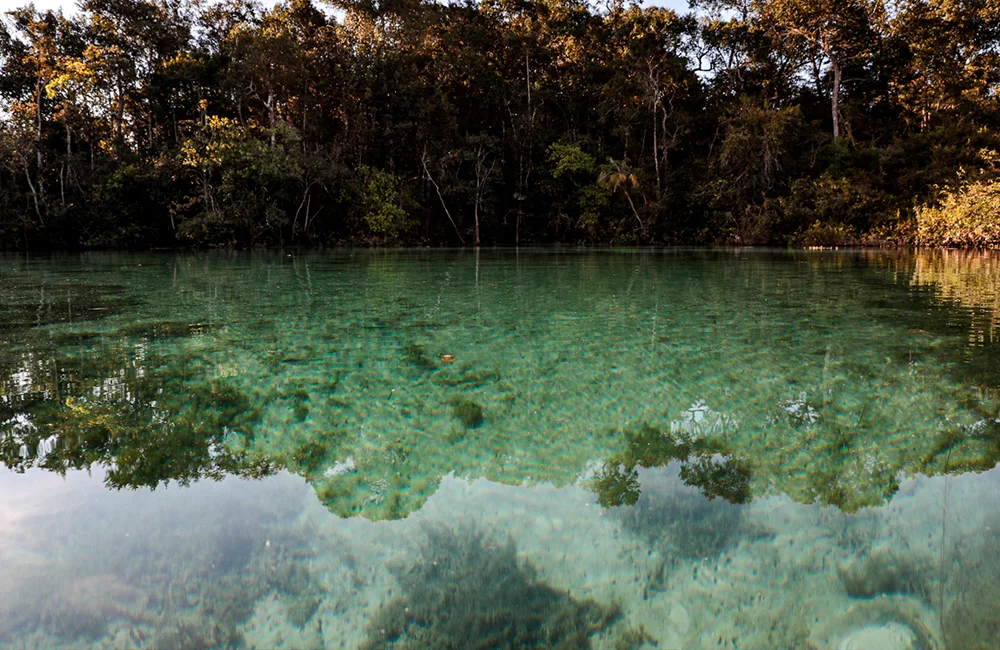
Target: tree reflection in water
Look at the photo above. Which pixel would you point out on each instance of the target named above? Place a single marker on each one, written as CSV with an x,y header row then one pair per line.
x,y
147,421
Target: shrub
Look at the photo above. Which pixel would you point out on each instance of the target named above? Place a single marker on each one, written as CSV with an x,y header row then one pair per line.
x,y
967,216
826,234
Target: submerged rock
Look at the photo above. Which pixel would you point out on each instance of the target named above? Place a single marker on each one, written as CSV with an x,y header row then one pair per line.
x,y
890,636
884,623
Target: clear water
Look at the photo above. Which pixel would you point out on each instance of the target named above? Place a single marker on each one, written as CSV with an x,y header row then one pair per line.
x,y
504,449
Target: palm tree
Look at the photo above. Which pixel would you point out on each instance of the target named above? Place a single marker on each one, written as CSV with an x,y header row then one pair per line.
x,y
621,177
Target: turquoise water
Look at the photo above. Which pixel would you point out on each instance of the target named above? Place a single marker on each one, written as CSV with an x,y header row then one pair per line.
x,y
512,449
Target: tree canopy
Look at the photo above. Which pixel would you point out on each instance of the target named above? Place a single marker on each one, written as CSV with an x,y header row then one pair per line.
x,y
145,123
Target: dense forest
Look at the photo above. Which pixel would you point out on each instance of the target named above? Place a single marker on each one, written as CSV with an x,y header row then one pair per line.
x,y
149,123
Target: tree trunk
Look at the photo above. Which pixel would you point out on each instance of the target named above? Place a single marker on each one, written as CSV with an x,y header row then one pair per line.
x,y
39,156
656,150
835,96
120,118
437,189
482,177
642,226
654,90
34,195
270,112
475,214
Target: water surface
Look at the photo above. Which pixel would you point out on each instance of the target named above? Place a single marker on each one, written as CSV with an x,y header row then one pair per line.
x,y
411,449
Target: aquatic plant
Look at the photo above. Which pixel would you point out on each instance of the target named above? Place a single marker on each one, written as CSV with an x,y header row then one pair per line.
x,y
375,482
300,611
468,412
81,609
970,448
465,378
634,638
297,399
415,355
309,456
228,574
194,633
467,590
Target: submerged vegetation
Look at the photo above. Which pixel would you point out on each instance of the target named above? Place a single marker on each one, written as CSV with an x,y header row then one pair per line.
x,y
468,412
467,590
374,399
142,123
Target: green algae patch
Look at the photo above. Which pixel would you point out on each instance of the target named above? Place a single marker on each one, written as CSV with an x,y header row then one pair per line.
x,y
468,590
311,455
301,610
415,355
468,412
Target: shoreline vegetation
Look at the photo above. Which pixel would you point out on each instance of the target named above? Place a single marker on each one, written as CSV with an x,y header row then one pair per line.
x,y
233,124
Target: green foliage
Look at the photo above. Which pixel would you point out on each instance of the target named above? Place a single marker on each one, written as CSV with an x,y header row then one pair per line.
x,y
820,234
751,170
467,590
570,159
380,203
124,212
194,430
138,123
593,202
967,216
692,513
838,208
241,182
